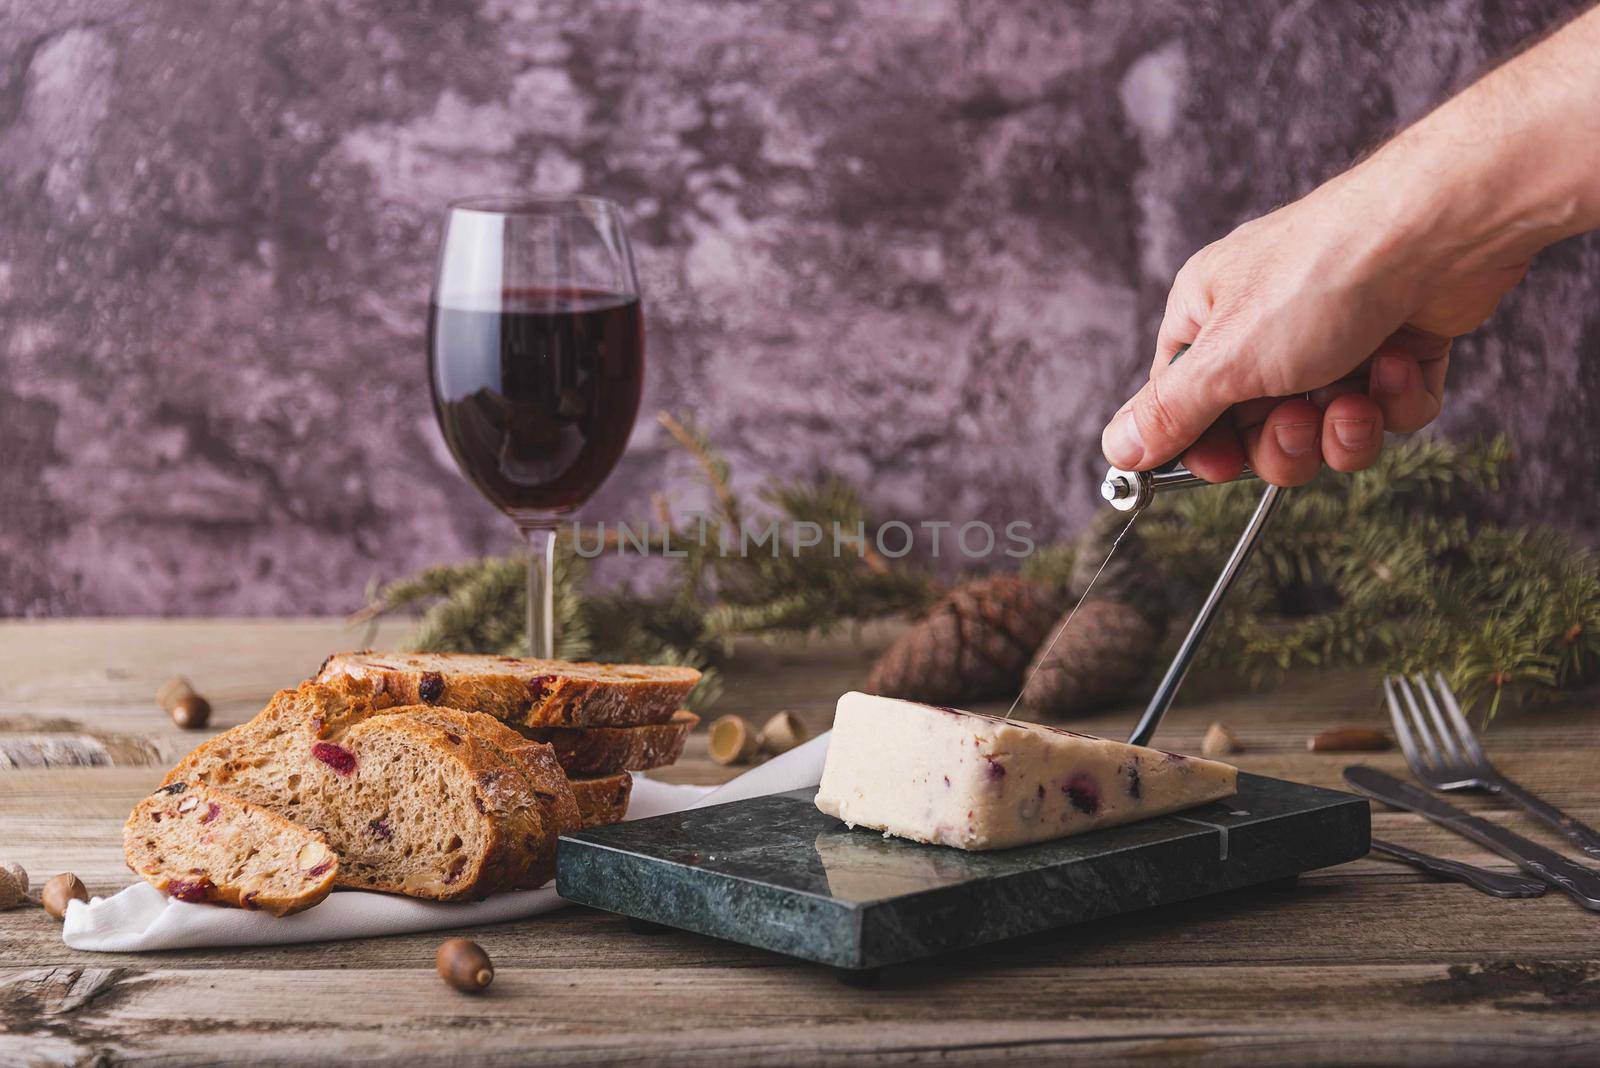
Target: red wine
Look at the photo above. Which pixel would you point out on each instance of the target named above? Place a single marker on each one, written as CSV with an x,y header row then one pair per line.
x,y
537,398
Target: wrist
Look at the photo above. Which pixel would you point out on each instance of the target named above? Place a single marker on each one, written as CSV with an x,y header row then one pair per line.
x,y
1470,207
1504,169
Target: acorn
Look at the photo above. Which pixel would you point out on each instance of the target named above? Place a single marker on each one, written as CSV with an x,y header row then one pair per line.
x,y
463,964
731,741
60,890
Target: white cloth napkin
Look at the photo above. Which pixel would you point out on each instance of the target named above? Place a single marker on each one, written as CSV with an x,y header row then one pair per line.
x,y
141,918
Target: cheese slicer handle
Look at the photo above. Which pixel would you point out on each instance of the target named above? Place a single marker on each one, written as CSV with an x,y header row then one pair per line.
x,y
1132,491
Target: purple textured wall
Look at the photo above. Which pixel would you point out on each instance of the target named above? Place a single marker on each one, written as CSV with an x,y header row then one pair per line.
x,y
922,243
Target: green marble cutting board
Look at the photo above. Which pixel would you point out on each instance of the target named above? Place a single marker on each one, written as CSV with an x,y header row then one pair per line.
x,y
774,872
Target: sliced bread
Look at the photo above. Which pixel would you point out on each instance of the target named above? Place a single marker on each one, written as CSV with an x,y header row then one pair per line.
x,y
420,801
603,799
604,750
537,765
199,844
530,693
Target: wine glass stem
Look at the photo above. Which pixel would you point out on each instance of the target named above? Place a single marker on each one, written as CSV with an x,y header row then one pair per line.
x,y
541,591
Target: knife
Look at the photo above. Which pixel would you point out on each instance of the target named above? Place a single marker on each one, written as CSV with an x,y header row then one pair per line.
x,y
1580,882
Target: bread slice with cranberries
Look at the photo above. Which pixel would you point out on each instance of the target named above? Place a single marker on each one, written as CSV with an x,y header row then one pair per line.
x,y
541,772
603,799
423,801
536,761
607,750
527,693
199,844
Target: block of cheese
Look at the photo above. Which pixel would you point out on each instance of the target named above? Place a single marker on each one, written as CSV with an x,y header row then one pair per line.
x,y
948,777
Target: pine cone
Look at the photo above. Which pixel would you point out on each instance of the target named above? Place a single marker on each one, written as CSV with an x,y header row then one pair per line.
x,y
1131,575
1096,661
971,646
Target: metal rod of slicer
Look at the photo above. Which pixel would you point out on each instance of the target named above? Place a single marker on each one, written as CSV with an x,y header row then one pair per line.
x,y
1132,491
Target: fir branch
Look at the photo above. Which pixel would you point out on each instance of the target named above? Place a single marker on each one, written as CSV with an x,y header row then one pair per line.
x,y
1387,567
715,597
714,467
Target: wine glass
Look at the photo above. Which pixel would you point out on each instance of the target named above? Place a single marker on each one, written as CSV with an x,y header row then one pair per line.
x,y
536,357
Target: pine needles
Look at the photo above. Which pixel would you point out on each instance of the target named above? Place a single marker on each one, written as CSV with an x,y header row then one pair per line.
x,y
1389,566
801,563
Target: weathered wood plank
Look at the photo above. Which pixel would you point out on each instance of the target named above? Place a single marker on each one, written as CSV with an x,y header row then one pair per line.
x,y
1247,1014
116,661
1330,920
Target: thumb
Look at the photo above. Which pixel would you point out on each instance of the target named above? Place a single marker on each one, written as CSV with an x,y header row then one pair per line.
x,y
1166,416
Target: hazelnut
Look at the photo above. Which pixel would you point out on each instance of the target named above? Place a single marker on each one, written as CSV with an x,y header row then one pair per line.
x,y
188,709
314,858
731,741
782,733
13,886
60,890
464,965
192,713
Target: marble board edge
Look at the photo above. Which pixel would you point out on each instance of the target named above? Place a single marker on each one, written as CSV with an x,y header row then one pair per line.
x,y
869,933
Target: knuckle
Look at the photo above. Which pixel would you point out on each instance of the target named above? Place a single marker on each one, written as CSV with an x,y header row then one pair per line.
x,y
1192,271
1219,373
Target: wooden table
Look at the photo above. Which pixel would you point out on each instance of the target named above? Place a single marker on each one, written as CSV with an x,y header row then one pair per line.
x,y
1366,963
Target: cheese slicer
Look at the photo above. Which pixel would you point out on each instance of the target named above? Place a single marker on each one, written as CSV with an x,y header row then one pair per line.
x,y
1133,492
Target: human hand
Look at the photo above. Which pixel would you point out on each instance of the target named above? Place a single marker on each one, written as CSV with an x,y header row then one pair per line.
x,y
1311,331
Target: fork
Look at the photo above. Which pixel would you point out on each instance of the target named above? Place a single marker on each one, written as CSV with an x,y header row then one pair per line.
x,y
1443,752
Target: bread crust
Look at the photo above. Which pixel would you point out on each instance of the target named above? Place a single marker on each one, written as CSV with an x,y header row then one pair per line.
x,y
603,799
532,693
590,751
